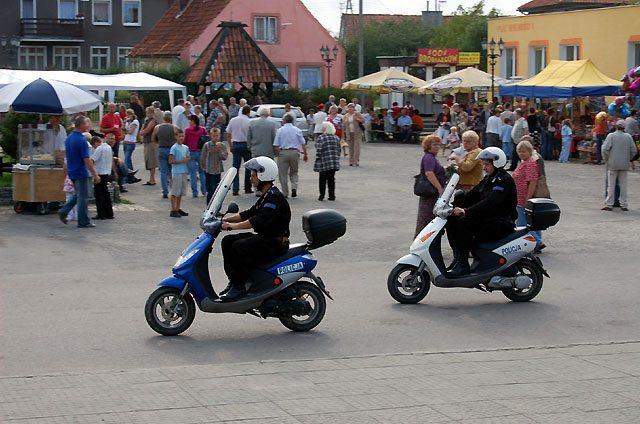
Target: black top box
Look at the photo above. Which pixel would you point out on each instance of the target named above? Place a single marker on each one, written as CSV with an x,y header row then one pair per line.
x,y
323,226
541,214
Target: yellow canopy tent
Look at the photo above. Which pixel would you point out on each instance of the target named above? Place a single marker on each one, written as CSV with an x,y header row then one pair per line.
x,y
385,82
564,79
467,80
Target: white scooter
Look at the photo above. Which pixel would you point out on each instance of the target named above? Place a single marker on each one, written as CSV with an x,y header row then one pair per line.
x,y
506,265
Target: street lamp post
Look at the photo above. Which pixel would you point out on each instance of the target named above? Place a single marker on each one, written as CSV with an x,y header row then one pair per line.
x,y
11,46
494,51
328,60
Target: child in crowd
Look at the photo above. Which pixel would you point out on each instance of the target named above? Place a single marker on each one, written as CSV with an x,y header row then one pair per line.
x,y
69,190
505,136
567,136
311,121
453,139
213,153
178,158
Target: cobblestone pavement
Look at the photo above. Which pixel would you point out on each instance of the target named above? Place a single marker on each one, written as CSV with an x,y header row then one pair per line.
x,y
597,383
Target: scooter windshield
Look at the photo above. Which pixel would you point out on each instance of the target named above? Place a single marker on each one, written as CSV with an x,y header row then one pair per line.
x,y
220,194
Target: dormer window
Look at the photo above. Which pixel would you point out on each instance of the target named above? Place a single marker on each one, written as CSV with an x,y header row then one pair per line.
x,y
265,28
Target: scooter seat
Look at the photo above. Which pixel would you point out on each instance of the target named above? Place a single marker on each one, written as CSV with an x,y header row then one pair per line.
x,y
294,250
492,245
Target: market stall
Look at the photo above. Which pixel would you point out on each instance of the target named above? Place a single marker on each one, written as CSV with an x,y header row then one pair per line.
x,y
469,80
39,175
384,82
575,83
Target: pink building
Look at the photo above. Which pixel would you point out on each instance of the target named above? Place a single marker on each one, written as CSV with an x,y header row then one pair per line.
x,y
285,30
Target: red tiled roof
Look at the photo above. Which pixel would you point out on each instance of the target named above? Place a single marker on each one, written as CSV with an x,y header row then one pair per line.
x,y
553,5
230,55
175,30
349,24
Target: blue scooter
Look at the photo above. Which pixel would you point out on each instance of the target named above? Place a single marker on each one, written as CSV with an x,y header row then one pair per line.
x,y
283,288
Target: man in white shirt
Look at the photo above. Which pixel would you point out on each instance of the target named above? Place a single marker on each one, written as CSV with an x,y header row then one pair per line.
x,y
102,158
54,140
318,118
237,136
357,105
183,119
493,129
288,144
177,111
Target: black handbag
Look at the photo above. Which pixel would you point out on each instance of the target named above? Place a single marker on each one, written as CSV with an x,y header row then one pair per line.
x,y
202,141
422,187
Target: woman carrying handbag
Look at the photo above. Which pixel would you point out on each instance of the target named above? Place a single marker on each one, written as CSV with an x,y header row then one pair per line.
x,y
430,182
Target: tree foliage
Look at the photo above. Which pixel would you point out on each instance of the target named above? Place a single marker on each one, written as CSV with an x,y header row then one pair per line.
x,y
401,38
464,30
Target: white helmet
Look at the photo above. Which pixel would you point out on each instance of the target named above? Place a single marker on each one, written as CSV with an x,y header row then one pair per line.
x,y
494,154
265,167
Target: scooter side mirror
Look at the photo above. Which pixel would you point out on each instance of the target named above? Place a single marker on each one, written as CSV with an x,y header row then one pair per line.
x,y
233,208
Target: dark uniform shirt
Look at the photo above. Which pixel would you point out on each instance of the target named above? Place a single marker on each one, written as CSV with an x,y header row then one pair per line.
x,y
494,198
270,216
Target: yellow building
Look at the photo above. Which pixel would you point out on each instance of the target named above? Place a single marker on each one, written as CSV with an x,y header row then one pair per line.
x,y
609,36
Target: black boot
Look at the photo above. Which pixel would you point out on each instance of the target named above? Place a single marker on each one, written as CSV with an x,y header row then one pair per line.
x,y
456,256
234,294
226,289
461,267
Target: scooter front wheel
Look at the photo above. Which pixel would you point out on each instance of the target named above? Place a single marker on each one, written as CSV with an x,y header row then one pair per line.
x,y
306,292
167,313
405,286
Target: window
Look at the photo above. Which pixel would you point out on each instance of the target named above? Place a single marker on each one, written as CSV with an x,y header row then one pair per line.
x,y
132,12
634,55
101,12
33,57
123,59
67,9
569,52
66,58
309,78
509,62
284,71
537,59
100,57
265,28
27,9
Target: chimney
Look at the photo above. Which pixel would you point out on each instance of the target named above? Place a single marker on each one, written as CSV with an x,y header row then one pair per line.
x,y
432,18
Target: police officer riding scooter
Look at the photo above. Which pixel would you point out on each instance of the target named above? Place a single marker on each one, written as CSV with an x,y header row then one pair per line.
x,y
269,218
485,213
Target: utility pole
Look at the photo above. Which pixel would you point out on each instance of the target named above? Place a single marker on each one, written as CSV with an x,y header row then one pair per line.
x,y
360,41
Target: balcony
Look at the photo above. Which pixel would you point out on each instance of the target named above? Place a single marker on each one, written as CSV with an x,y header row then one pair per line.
x,y
56,29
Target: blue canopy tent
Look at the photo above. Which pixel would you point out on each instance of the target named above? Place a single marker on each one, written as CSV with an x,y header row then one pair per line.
x,y
564,79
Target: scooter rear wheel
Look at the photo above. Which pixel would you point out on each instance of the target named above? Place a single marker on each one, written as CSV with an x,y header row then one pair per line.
x,y
532,270
312,294
407,287
167,318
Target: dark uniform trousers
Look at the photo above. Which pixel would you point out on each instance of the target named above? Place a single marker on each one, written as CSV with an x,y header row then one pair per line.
x,y
243,252
462,232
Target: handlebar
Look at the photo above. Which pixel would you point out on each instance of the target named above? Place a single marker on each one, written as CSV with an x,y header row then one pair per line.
x,y
444,206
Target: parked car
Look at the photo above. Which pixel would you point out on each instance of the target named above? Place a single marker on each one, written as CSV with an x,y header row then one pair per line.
x,y
277,112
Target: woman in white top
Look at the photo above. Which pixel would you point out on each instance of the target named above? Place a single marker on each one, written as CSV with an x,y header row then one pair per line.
x,y
131,127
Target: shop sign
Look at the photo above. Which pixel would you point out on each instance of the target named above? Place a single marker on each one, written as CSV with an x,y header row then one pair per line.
x,y
438,56
469,58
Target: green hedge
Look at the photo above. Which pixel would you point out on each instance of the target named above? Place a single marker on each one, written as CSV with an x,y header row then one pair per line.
x,y
9,130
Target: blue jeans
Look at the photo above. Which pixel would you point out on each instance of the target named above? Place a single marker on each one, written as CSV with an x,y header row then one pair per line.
x,y
507,148
522,222
165,169
547,145
195,171
79,198
128,152
212,181
241,152
566,150
599,140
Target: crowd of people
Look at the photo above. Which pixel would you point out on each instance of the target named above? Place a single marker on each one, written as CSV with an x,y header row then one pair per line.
x,y
190,148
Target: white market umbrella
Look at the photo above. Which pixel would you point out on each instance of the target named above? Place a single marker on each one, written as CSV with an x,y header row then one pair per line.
x,y
384,82
46,96
466,80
